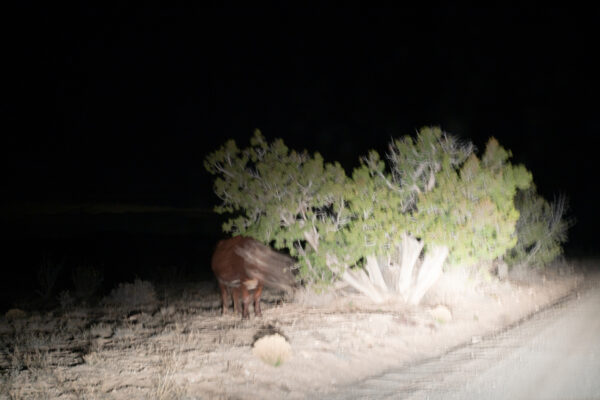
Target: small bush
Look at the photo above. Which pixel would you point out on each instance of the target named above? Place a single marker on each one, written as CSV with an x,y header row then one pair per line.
x,y
132,295
541,229
47,276
87,281
15,313
65,300
272,349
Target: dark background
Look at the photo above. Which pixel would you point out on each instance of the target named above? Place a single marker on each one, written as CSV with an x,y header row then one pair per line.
x,y
108,112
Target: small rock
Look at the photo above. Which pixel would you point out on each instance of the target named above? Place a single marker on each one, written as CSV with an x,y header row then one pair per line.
x,y
441,313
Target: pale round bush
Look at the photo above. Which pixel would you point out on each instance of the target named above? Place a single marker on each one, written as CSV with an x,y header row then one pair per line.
x,y
272,349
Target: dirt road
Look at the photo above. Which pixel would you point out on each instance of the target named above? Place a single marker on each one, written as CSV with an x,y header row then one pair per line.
x,y
553,355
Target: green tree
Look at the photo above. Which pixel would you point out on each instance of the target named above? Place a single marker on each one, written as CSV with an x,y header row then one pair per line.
x,y
472,209
437,198
294,200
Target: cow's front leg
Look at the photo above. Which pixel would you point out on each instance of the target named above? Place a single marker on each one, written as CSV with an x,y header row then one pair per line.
x,y
246,303
257,294
224,298
236,300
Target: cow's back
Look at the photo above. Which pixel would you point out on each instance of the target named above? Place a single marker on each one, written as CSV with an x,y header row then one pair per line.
x,y
226,263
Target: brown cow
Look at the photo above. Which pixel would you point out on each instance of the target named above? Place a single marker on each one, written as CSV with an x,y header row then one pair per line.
x,y
242,264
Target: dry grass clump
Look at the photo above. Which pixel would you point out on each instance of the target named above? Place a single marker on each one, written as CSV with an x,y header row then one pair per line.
x,y
272,349
15,313
132,295
311,298
165,386
101,330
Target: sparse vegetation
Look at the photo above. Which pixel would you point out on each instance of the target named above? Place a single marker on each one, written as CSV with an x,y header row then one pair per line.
x,y
15,313
165,385
188,349
65,300
132,295
385,231
47,276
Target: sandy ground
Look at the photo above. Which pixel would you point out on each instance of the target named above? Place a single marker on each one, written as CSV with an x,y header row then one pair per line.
x,y
182,347
552,355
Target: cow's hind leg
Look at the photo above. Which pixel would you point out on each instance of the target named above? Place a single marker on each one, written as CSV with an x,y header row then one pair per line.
x,y
257,294
246,300
236,300
224,298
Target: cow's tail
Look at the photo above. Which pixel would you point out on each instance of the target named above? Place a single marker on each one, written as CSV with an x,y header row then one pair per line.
x,y
267,265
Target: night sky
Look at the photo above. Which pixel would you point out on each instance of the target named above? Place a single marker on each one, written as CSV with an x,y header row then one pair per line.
x,y
121,105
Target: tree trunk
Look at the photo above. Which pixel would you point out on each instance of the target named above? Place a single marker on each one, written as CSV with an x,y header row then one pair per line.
x,y
360,281
411,248
372,267
429,272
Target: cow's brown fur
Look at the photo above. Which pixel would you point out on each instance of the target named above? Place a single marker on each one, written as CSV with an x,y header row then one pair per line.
x,y
242,265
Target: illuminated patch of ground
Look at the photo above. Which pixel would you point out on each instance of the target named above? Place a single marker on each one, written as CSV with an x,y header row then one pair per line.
x,y
181,346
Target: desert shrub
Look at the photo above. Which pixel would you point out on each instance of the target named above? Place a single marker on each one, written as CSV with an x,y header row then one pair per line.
x,y
86,280
471,210
65,300
132,295
541,229
400,198
272,349
438,190
390,227
15,313
435,199
47,276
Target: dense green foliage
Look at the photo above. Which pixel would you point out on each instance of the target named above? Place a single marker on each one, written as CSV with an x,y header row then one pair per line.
x,y
388,203
433,188
439,191
294,200
472,210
